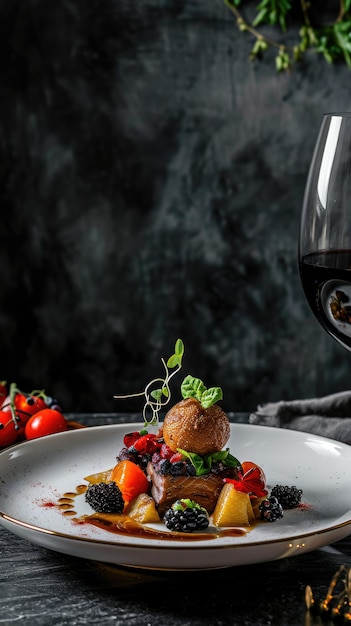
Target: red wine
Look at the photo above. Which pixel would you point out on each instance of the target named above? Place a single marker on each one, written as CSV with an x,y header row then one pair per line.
x,y
326,280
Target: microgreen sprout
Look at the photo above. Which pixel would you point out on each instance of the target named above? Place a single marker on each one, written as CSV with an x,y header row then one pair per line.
x,y
194,388
158,397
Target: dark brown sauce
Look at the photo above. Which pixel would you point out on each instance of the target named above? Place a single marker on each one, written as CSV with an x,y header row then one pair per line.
x,y
79,490
125,525
69,513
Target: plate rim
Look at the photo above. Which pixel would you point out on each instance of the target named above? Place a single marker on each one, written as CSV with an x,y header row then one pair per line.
x,y
9,522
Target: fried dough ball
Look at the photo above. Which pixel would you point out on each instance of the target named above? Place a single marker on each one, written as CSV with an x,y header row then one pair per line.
x,y
189,426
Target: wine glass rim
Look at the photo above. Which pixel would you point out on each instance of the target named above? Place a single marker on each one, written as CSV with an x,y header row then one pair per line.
x,y
338,114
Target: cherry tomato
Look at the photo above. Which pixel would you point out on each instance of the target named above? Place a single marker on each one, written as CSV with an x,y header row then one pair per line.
x,y
254,471
27,405
9,431
45,422
131,480
254,478
6,403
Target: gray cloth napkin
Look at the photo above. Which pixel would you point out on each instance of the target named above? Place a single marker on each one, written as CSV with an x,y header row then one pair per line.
x,y
329,416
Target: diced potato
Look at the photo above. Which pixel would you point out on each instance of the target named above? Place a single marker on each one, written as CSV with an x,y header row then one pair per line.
x,y
143,510
233,508
99,477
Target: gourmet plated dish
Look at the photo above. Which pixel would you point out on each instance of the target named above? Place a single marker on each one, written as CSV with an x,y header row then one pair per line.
x,y
177,478
170,490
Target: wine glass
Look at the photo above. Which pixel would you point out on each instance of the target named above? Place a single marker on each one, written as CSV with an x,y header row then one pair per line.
x,y
325,229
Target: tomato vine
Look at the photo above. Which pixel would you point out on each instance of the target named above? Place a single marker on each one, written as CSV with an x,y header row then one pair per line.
x,y
332,39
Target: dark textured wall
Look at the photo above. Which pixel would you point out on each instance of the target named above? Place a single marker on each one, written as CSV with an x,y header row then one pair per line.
x,y
151,185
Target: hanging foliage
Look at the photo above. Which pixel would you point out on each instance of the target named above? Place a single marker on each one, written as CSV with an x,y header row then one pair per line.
x,y
331,39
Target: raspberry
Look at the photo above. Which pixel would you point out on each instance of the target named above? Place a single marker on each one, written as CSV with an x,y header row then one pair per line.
x,y
166,452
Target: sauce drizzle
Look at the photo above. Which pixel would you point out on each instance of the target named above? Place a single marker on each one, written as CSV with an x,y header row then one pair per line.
x,y
121,524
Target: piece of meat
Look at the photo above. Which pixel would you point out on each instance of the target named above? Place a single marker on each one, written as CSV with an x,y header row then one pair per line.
x,y
204,490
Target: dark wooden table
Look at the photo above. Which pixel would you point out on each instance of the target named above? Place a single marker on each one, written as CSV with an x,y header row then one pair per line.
x,y
42,587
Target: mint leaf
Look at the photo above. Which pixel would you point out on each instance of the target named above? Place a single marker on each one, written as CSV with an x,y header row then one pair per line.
x,y
192,388
211,396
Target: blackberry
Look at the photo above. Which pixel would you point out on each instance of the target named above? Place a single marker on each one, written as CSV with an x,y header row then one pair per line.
x,y
186,516
190,469
127,454
271,509
105,498
219,468
131,454
163,466
178,468
289,497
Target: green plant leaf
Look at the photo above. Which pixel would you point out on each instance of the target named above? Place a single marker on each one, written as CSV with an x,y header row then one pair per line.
x,y
308,19
176,359
154,398
179,348
192,388
197,461
211,396
156,393
272,12
220,456
231,461
203,464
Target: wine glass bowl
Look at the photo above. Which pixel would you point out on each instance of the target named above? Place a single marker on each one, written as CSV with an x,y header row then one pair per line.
x,y
325,229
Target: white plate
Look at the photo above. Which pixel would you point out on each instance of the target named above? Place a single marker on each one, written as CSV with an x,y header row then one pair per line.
x,y
36,473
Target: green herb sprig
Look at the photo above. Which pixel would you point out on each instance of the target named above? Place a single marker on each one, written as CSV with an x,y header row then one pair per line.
x,y
157,398
332,40
186,503
203,464
194,388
